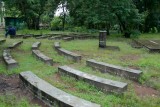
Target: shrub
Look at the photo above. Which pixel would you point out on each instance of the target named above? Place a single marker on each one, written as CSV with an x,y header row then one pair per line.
x,y
56,24
78,29
154,30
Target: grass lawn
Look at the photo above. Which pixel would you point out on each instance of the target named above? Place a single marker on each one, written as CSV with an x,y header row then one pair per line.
x,y
149,63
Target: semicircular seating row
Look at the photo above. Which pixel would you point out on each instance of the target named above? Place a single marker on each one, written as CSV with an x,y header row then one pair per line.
x,y
9,61
58,36
62,98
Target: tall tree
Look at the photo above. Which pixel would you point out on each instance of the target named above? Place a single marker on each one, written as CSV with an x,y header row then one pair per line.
x,y
31,10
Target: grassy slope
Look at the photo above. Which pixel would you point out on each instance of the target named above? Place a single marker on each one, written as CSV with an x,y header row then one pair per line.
x,y
128,56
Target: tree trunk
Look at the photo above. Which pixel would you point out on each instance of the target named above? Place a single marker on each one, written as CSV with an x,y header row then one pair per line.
x,y
123,27
108,28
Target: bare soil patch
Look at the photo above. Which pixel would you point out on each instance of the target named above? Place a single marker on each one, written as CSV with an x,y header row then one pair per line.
x,y
144,91
12,85
130,57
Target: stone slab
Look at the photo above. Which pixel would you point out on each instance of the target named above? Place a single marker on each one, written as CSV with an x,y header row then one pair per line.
x,y
43,37
116,70
36,45
68,38
52,95
10,62
2,40
69,55
42,57
55,38
151,45
105,85
157,41
27,36
14,45
57,45
37,35
136,44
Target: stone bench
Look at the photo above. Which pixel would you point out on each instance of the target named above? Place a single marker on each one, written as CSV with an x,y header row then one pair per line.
x,y
37,35
43,37
69,55
36,45
10,62
14,45
42,57
151,45
2,40
117,70
136,44
68,38
51,95
105,85
27,36
55,38
57,45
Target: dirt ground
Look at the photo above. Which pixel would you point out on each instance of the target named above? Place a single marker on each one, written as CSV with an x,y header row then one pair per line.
x,y
12,85
144,91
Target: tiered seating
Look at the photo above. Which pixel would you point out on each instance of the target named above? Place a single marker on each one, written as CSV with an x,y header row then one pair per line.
x,y
68,54
54,96
42,57
101,83
117,70
10,62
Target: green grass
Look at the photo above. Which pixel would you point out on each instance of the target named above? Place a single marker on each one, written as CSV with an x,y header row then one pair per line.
x,y
12,101
127,57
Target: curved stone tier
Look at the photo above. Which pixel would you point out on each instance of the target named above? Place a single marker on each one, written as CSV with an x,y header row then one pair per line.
x,y
14,45
69,55
52,95
2,40
105,85
36,45
117,70
42,57
10,62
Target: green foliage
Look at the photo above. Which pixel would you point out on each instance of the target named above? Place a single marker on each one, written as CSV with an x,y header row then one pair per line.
x,y
154,30
12,101
78,29
56,23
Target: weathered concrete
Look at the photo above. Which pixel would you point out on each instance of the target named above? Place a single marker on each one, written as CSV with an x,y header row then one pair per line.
x,y
151,45
50,94
136,44
42,57
17,36
10,62
117,70
68,38
37,35
105,85
27,36
43,37
55,38
102,39
57,45
14,45
2,40
36,45
69,55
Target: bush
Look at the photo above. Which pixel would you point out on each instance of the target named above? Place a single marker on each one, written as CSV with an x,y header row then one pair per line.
x,y
78,29
135,33
56,24
154,30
